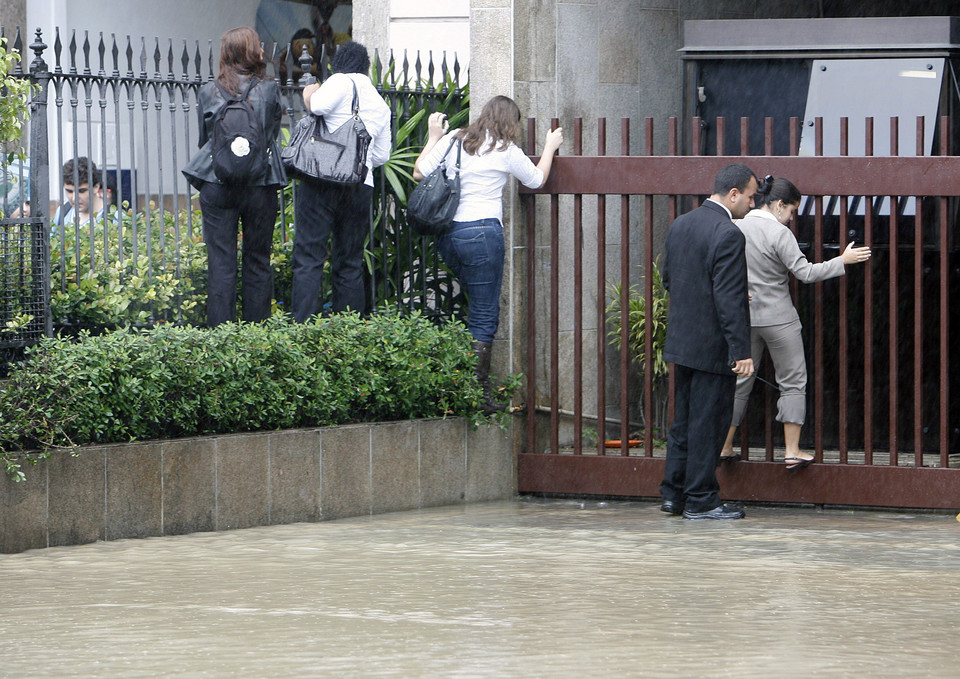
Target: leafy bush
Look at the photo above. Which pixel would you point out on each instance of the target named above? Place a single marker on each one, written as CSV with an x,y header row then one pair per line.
x,y
170,381
118,271
14,104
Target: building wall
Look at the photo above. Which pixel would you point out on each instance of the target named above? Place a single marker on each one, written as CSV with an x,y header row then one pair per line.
x,y
190,20
14,13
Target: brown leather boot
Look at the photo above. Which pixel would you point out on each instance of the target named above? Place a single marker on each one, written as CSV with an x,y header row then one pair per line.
x,y
489,405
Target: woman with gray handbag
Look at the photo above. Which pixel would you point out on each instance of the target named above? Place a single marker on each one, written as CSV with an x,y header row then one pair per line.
x,y
473,245
334,211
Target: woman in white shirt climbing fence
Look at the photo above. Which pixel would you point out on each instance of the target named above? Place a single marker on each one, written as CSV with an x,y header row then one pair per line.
x,y
473,247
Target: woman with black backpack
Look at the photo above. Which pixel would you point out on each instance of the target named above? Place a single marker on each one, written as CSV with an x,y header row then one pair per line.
x,y
238,172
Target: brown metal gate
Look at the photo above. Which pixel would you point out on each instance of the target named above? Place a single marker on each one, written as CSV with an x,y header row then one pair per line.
x,y
880,423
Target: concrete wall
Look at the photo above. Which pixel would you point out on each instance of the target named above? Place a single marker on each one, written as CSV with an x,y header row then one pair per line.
x,y
566,59
14,14
244,480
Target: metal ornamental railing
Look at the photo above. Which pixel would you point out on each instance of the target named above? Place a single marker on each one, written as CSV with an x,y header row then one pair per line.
x,y
130,106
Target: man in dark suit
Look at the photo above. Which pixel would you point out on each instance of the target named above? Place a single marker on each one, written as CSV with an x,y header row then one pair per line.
x,y
708,341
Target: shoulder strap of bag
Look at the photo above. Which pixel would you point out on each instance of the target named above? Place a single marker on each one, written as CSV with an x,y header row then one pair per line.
x,y
443,158
356,100
236,97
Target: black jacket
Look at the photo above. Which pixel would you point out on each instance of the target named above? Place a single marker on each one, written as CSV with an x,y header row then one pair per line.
x,y
265,100
706,274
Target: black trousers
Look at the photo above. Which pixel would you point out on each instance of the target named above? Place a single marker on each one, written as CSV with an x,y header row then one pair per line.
x,y
703,406
224,208
339,214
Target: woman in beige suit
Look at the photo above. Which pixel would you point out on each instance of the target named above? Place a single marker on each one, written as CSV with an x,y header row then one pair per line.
x,y
772,254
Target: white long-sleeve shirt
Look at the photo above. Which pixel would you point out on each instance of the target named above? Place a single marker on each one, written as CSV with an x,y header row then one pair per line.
x,y
334,101
483,176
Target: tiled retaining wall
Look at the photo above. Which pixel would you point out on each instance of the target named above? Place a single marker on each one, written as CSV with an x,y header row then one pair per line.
x,y
243,480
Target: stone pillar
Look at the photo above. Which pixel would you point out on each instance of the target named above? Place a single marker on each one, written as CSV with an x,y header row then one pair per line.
x,y
371,27
610,58
14,14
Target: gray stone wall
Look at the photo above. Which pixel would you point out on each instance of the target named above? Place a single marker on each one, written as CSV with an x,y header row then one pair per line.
x,y
589,59
13,13
371,26
244,480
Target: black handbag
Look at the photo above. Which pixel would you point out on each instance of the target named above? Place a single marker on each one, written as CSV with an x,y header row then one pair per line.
x,y
316,153
433,203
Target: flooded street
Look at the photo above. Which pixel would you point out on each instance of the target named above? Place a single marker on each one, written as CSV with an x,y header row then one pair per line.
x,y
538,588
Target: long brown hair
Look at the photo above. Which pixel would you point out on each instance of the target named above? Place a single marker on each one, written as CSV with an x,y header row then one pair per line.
x,y
240,54
500,118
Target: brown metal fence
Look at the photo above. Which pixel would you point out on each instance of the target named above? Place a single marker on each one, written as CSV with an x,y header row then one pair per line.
x,y
880,422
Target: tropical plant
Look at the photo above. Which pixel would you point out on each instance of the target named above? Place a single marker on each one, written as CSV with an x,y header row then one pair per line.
x,y
636,322
637,332
406,269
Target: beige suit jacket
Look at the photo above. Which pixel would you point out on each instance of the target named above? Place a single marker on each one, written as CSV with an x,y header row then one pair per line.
x,y
772,254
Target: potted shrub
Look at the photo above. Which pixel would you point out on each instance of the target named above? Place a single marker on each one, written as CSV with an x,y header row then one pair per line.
x,y
637,335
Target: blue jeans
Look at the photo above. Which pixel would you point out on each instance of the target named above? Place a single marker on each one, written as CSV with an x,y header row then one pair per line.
x,y
474,252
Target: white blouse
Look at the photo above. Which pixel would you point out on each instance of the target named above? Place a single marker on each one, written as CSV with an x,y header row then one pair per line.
x,y
482,176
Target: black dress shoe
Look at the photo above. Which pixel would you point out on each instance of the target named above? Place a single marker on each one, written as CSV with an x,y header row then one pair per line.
x,y
671,507
721,512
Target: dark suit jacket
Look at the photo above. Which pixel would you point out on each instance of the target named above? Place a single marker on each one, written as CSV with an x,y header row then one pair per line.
x,y
265,100
706,274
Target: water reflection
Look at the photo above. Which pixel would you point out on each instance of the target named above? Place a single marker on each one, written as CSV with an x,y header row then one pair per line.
x,y
528,588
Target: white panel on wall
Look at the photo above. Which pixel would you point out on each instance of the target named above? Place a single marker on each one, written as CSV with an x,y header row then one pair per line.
x,y
436,27
435,8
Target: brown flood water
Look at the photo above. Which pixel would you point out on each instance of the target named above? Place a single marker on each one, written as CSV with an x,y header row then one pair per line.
x,y
532,588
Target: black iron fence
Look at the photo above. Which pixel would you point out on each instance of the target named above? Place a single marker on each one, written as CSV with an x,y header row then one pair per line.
x,y
130,106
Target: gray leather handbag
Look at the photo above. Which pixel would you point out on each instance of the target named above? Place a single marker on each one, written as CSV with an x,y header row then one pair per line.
x,y
316,153
433,203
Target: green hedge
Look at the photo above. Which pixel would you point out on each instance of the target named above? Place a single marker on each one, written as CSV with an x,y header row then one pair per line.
x,y
172,381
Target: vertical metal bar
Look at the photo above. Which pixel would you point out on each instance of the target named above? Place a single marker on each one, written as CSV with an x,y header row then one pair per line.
x,y
554,317
768,395
649,365
625,302
817,255
673,203
102,102
794,150
578,300
696,132
868,312
673,144
918,316
40,177
892,301
944,246
601,299
148,196
531,302
842,320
